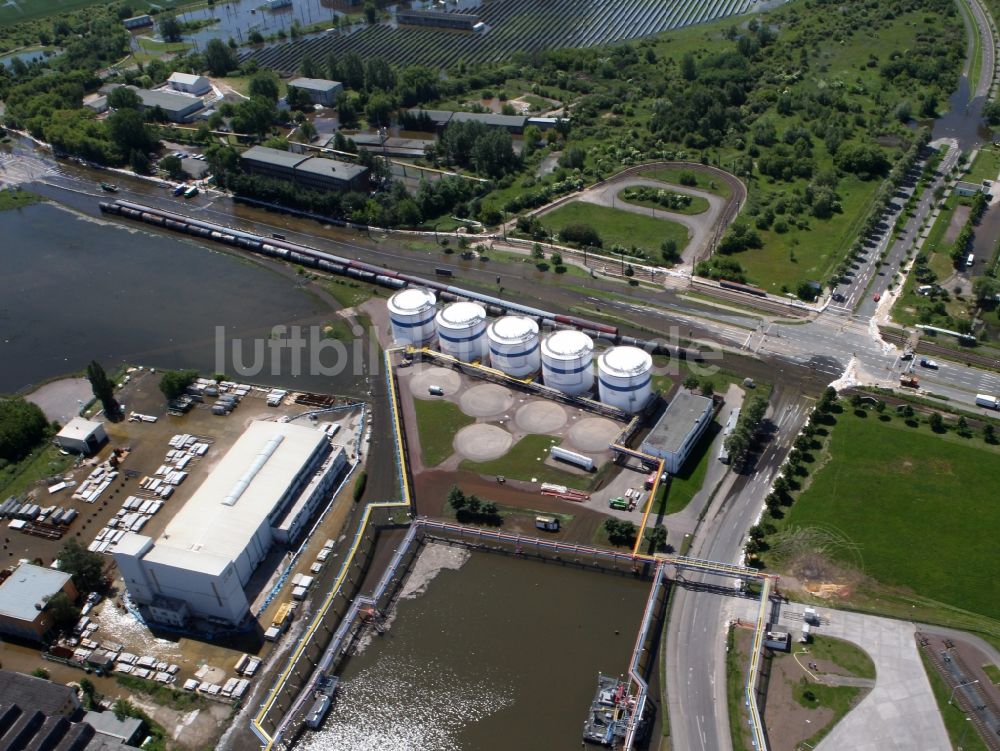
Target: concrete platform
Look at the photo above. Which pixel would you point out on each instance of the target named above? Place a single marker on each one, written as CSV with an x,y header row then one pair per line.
x,y
540,417
486,400
592,434
421,378
482,443
61,400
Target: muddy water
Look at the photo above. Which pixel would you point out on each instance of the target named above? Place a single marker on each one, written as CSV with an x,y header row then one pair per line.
x,y
487,653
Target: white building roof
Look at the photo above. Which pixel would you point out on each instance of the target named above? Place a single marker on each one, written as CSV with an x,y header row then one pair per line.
x,y
219,520
27,586
187,79
79,429
315,84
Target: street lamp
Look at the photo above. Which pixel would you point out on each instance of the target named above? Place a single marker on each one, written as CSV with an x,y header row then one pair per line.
x,y
960,685
961,739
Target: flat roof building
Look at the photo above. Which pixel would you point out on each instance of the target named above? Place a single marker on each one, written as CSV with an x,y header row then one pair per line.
x,y
178,107
311,172
128,730
24,597
440,119
189,83
679,429
320,90
263,491
82,436
138,22
438,18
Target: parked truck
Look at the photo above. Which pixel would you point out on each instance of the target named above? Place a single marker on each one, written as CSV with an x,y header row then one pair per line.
x,y
985,400
910,381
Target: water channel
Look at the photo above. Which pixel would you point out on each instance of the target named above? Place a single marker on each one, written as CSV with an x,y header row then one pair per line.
x,y
485,652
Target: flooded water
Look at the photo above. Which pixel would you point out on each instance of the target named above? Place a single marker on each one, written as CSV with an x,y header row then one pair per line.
x,y
490,653
76,289
964,119
238,19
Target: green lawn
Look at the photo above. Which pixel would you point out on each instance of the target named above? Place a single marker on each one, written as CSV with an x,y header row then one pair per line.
x,y
698,204
437,422
955,723
526,461
919,507
838,699
349,293
993,673
44,461
686,483
703,181
854,660
16,198
617,227
986,165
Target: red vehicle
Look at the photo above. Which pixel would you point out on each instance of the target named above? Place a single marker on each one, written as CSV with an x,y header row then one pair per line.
x,y
876,297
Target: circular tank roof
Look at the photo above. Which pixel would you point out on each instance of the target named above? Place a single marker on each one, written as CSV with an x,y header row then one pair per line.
x,y
625,361
460,314
412,300
513,329
568,344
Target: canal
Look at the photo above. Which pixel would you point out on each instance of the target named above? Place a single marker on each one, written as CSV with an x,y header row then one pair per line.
x,y
487,653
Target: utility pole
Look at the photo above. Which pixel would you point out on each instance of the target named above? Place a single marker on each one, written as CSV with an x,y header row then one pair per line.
x,y
960,685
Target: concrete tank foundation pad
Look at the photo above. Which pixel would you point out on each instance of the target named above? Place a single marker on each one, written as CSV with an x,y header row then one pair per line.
x,y
486,400
593,434
482,443
421,378
540,417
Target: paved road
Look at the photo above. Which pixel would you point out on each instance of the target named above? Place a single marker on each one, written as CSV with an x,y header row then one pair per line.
x,y
900,713
696,686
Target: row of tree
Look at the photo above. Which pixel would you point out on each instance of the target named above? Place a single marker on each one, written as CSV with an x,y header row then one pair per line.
x,y
739,442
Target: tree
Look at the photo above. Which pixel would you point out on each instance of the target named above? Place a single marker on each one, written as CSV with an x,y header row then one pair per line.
x,y
691,382
657,537
264,83
174,382
669,251
103,388
254,116
371,12
40,673
138,162
122,709
122,98
689,70
620,532
456,498
827,400
354,71
707,387
86,568
22,427
989,433
170,28
474,504
802,443
64,613
220,58
581,234
173,166
987,290
379,109
936,422
781,486
130,132
308,67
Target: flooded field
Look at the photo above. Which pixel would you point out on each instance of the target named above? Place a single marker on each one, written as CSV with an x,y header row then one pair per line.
x,y
485,652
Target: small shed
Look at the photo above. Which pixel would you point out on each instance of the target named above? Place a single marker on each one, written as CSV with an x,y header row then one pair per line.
x,y
82,436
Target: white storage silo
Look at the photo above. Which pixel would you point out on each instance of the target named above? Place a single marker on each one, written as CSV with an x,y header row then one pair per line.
x,y
624,378
461,330
513,342
411,314
567,362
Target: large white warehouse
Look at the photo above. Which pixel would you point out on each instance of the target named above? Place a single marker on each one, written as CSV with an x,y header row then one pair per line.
x,y
567,362
264,490
411,315
625,378
461,330
513,343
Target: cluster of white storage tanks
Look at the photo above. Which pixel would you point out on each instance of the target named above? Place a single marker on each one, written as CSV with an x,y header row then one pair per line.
x,y
512,345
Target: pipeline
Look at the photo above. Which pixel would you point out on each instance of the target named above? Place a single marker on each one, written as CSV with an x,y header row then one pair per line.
x,y
304,255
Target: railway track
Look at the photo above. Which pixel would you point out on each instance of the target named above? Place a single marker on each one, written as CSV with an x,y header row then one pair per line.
x,y
759,304
967,356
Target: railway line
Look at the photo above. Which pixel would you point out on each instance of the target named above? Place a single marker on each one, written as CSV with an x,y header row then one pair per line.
x,y
966,356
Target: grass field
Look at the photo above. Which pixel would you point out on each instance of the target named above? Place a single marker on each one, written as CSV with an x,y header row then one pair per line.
x,y
986,165
993,673
703,181
618,227
849,657
904,496
15,199
961,735
698,204
437,423
349,293
44,461
526,461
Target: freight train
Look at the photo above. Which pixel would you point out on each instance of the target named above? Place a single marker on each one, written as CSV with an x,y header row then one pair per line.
x,y
367,272
740,287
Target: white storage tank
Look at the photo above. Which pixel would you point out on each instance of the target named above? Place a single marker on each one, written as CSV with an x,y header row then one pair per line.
x,y
513,343
567,362
461,330
624,378
411,314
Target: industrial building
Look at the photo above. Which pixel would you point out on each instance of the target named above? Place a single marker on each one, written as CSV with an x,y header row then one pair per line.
x,y
440,119
438,18
52,699
679,429
263,491
178,107
23,600
189,83
82,436
138,22
312,172
320,90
